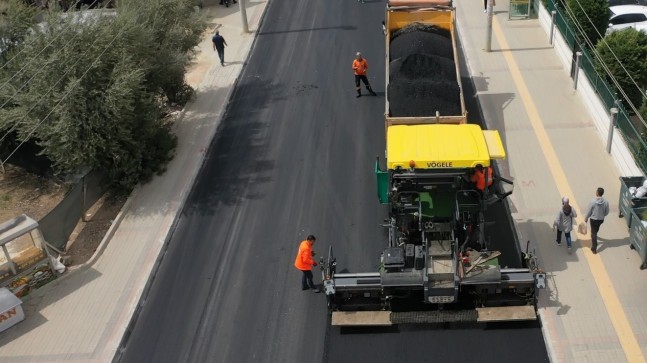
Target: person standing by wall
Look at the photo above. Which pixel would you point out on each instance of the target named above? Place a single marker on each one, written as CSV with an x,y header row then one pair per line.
x,y
564,223
219,44
360,66
305,263
598,209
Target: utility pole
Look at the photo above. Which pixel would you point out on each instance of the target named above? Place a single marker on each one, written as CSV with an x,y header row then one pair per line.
x,y
243,14
488,32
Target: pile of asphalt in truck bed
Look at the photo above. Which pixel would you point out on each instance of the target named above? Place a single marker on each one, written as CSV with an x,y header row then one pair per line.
x,y
422,72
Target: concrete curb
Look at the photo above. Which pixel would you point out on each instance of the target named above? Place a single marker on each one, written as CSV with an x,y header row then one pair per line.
x,y
113,228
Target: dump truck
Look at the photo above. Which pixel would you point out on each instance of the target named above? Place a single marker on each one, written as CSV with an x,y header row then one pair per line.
x,y
437,265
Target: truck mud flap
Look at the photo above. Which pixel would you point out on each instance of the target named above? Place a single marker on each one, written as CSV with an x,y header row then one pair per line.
x,y
506,313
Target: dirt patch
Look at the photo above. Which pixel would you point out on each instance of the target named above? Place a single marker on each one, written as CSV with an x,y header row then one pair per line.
x,y
87,236
25,193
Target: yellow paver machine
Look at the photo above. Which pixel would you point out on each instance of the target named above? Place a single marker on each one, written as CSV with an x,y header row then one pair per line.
x,y
438,184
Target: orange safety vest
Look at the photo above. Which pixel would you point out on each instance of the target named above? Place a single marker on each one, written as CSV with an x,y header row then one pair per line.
x,y
360,67
304,259
479,179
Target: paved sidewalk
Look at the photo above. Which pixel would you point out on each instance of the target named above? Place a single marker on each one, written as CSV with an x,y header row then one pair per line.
x,y
82,316
592,310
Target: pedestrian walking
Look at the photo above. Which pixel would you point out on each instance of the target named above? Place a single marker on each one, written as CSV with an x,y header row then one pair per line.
x,y
219,44
360,66
485,5
564,222
305,263
598,209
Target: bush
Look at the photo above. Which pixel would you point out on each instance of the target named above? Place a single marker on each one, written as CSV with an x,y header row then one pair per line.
x,y
592,16
625,53
93,93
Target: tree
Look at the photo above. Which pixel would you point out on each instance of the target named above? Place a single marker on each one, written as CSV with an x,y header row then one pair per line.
x,y
15,20
624,54
92,92
588,18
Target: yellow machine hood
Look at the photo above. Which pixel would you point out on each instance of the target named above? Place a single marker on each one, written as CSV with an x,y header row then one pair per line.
x,y
438,146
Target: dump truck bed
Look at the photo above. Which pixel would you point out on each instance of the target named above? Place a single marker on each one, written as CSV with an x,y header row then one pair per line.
x,y
399,15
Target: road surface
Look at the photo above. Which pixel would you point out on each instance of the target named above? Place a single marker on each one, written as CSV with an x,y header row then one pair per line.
x,y
294,156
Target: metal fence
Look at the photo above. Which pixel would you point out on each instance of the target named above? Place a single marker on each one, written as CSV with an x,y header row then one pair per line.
x,y
59,223
608,94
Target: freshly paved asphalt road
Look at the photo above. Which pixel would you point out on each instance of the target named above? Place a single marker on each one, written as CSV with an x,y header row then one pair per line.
x,y
294,156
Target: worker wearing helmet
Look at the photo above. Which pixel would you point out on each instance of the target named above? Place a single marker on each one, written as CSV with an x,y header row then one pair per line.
x,y
360,66
304,262
478,178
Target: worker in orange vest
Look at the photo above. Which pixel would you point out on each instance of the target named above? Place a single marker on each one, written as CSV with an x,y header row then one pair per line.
x,y
305,263
478,178
360,66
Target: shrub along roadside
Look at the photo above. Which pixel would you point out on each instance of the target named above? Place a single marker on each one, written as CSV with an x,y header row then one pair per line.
x,y
92,92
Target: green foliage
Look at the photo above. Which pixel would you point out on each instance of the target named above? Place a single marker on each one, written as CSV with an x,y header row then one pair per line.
x,y
15,20
93,92
625,53
641,155
592,16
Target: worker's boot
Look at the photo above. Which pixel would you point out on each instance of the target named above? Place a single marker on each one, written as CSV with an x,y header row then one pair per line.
x,y
371,90
359,93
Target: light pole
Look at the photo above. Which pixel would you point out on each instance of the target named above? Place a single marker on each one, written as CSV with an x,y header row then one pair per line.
x,y
243,14
488,32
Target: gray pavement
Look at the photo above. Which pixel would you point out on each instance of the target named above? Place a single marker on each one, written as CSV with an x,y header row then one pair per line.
x,y
591,312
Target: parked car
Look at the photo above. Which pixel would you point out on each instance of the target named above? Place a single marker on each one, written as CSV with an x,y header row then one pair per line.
x,y
626,2
626,16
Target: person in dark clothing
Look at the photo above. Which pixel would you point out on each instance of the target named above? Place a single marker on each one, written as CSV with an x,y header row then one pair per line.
x,y
219,44
598,209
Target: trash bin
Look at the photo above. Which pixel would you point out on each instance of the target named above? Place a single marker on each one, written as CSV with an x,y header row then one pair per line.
x,y
637,234
10,309
627,201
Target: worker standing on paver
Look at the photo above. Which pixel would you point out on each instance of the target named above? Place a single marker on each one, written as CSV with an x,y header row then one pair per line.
x,y
564,223
219,44
598,209
478,178
305,263
360,66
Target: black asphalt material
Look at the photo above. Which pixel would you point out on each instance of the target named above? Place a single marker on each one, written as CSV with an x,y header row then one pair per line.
x,y
294,156
420,39
423,97
417,66
422,76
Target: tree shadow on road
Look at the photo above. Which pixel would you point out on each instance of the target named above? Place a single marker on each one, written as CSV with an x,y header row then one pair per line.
x,y
237,160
